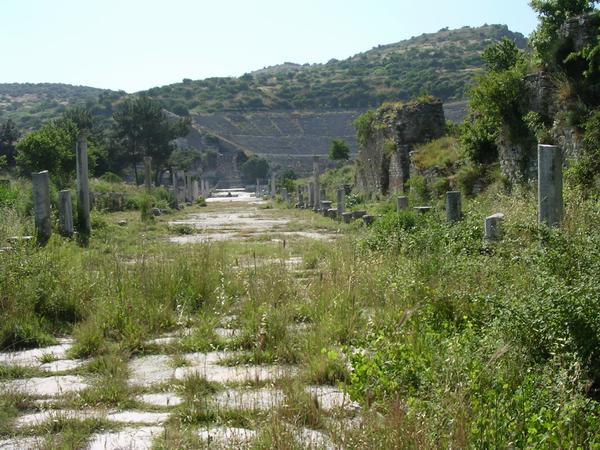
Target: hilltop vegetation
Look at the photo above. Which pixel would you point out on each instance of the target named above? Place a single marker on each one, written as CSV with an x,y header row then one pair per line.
x,y
30,105
442,64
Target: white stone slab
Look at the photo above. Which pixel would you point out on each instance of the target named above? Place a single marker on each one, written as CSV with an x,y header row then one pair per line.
x,y
329,397
219,437
126,439
62,365
256,399
47,387
39,418
161,399
33,357
27,443
139,417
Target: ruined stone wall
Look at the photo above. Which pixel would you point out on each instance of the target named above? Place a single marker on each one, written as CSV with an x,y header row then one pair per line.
x,y
383,162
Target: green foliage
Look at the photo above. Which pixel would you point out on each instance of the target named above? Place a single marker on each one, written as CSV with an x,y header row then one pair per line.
x,y
553,14
441,153
364,128
9,134
387,232
587,168
184,158
110,177
140,129
478,139
50,148
502,56
339,150
255,168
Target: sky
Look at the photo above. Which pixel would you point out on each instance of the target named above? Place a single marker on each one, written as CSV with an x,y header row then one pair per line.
x,y
134,45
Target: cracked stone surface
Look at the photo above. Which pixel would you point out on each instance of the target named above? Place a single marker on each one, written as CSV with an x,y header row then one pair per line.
x,y
329,397
258,399
141,417
220,437
27,443
313,439
39,418
162,399
154,369
62,365
126,439
47,387
33,358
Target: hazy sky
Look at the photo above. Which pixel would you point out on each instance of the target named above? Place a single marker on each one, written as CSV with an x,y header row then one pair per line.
x,y
136,44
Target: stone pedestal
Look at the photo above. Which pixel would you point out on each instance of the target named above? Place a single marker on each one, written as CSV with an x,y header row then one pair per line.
x,y
368,220
358,214
453,206
65,214
493,227
347,217
195,190
341,200
317,183
550,185
273,186
84,224
401,203
325,205
41,206
180,186
148,173
188,189
300,198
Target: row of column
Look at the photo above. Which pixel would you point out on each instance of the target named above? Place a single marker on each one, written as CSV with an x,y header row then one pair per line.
x,y
550,195
41,202
187,189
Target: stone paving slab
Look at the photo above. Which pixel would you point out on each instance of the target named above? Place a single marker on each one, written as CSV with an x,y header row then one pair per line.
x,y
256,400
164,399
62,365
33,357
235,374
138,417
38,418
226,437
26,443
47,387
313,439
126,439
329,398
155,369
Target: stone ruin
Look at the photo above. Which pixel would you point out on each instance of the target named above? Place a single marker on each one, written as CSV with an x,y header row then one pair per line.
x,y
383,162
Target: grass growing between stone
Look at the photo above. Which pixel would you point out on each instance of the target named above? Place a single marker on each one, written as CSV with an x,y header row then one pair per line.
x,y
445,340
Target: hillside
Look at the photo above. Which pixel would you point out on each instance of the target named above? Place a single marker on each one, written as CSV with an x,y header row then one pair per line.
x,y
30,105
442,64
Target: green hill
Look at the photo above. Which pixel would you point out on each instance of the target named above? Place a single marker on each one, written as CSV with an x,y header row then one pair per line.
x,y
30,105
442,64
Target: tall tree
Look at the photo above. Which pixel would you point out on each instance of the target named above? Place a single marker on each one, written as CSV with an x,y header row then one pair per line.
x,y
141,128
339,150
552,15
9,134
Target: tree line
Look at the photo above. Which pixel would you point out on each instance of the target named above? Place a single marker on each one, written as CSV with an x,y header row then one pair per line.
x,y
139,127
